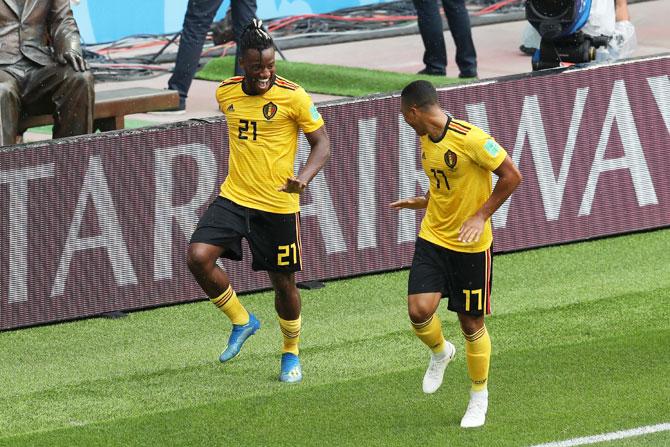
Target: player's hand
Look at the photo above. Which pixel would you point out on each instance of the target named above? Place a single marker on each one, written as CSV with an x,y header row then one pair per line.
x,y
74,59
472,229
414,203
293,185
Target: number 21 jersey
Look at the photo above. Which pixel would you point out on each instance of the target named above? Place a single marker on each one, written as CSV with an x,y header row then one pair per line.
x,y
263,139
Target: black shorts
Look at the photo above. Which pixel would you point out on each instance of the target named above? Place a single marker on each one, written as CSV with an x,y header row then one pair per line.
x,y
465,278
274,239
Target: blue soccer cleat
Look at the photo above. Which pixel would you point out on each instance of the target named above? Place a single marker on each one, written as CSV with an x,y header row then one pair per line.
x,y
291,372
238,336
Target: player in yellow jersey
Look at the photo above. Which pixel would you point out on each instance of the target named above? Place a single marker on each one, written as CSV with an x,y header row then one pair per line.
x,y
452,255
259,199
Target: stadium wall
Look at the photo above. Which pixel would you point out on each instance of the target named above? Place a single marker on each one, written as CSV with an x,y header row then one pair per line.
x,y
100,223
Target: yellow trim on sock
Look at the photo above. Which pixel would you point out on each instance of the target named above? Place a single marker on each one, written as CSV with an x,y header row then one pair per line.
x,y
228,303
290,330
478,358
430,333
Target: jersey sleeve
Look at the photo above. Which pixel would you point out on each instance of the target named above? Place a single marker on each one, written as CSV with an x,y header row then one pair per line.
x,y
484,149
306,115
221,98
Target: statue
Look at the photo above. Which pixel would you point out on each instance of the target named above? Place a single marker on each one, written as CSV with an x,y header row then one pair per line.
x,y
42,70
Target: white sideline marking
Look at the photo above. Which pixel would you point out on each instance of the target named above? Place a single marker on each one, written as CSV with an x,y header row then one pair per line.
x,y
608,436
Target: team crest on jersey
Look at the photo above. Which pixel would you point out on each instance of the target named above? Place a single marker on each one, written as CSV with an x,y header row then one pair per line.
x,y
450,159
269,110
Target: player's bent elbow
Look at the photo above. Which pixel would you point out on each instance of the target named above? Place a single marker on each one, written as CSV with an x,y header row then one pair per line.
x,y
514,176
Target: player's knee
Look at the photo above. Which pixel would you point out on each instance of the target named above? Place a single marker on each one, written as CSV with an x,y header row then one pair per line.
x,y
419,312
470,325
284,285
197,260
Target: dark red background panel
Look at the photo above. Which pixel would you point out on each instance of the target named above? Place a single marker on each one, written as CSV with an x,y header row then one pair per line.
x,y
592,145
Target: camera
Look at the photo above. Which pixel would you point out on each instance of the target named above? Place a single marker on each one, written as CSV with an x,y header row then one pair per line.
x,y
559,23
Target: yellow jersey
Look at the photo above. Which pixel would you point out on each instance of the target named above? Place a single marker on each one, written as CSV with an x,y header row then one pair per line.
x,y
459,168
263,140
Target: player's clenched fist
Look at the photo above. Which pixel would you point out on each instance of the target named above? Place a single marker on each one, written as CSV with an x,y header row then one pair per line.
x,y
293,185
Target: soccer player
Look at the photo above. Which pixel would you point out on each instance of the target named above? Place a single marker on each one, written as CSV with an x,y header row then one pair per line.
x,y
259,199
452,255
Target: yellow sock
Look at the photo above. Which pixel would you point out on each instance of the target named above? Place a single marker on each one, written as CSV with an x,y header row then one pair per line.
x,y
430,332
290,329
478,357
228,303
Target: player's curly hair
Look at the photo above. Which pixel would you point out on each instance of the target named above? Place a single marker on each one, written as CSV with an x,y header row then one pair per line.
x,y
255,37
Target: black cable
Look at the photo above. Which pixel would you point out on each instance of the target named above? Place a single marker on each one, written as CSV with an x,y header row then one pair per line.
x,y
169,42
307,26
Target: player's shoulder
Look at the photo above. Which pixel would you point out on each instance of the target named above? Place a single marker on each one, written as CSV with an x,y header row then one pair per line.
x,y
460,127
235,80
468,132
229,85
229,89
286,85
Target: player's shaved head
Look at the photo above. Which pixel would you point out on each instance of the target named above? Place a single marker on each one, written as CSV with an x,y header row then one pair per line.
x,y
418,104
420,94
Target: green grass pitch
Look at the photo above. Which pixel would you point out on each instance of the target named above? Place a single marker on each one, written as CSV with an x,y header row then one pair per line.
x,y
330,79
581,346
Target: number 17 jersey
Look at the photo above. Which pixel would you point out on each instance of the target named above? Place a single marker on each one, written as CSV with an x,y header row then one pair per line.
x,y
263,139
459,167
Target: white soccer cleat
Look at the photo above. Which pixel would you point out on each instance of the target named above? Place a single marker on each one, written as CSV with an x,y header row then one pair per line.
x,y
435,372
475,415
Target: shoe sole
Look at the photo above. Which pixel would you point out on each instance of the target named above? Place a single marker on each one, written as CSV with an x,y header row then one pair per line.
x,y
290,380
473,426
